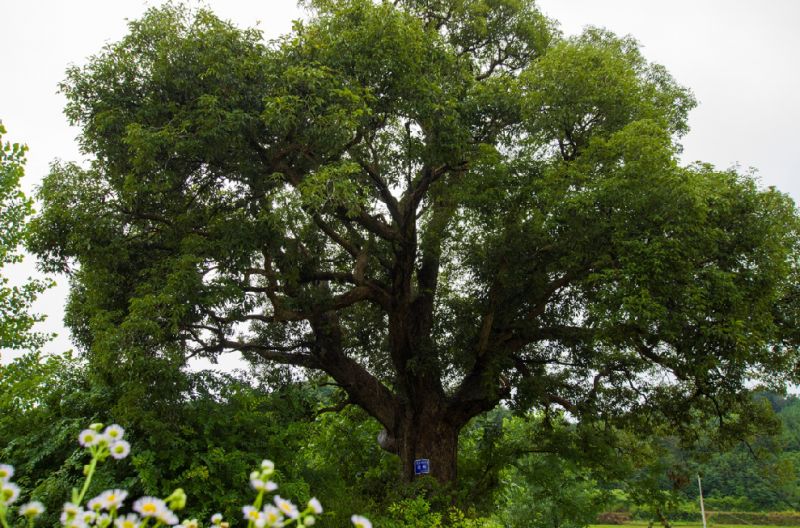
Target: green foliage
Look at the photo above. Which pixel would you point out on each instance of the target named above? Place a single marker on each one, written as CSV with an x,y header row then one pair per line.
x,y
205,440
16,320
440,206
417,513
340,457
789,518
545,471
516,470
106,509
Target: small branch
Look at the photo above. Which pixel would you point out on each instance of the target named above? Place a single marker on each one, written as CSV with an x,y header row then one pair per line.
x,y
383,189
335,408
346,244
276,354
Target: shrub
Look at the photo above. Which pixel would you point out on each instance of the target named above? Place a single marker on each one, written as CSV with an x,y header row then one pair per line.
x,y
106,509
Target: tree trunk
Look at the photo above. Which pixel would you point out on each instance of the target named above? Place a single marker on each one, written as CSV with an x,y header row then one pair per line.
x,y
430,437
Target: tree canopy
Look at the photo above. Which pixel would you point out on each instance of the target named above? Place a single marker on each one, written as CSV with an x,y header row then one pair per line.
x,y
439,205
16,319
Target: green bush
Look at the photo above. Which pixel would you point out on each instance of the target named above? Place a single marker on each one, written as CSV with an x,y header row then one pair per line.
x,y
417,513
107,509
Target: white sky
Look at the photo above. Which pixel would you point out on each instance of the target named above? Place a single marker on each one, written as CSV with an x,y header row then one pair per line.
x,y
739,57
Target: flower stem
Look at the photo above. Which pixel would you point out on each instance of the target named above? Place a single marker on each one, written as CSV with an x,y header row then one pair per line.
x,y
92,467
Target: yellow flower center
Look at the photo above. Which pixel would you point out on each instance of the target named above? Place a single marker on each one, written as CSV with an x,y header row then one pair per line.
x,y
149,508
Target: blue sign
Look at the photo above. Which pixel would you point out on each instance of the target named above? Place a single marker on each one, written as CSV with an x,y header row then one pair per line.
x,y
422,466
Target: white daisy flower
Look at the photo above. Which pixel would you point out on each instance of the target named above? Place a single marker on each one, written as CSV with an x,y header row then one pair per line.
x,y
71,509
6,472
9,492
75,523
94,503
88,438
87,516
128,521
190,523
216,518
31,509
167,516
263,485
251,514
103,520
315,505
71,513
286,507
360,522
272,516
112,499
104,440
149,506
120,449
114,432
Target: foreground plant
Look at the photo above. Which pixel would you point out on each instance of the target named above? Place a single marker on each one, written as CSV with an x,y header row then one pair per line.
x,y
104,510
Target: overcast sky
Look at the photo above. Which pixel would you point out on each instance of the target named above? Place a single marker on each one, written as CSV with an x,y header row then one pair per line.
x,y
738,57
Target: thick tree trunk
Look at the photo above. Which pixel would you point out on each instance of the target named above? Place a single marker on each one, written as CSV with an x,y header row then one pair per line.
x,y
430,437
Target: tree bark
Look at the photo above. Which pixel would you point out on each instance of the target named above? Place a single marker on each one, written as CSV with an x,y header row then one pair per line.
x,y
431,436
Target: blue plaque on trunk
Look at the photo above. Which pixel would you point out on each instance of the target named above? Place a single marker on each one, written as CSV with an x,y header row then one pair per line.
x,y
422,466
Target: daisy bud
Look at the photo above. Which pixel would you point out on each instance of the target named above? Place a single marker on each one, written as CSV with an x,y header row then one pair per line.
x,y
177,500
315,505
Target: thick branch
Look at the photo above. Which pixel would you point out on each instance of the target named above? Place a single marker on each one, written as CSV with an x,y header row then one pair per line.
x,y
362,387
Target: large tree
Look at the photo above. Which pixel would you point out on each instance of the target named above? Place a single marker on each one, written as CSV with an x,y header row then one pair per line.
x,y
440,205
